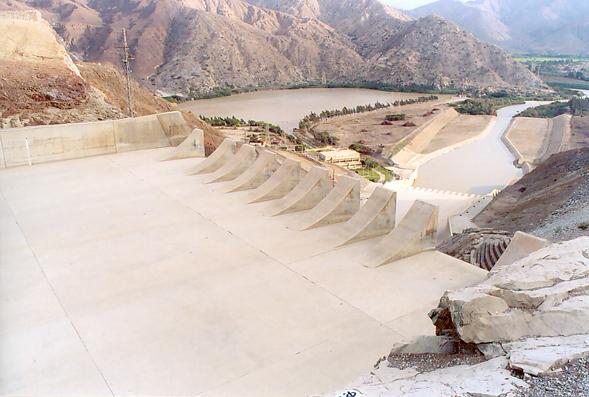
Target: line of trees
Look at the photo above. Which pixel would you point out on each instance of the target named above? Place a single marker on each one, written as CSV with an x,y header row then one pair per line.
x,y
234,122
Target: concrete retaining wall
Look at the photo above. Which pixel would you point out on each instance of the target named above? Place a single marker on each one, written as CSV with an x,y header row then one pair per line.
x,y
422,136
42,144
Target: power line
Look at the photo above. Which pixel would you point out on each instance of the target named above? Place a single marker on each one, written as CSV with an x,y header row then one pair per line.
x,y
127,66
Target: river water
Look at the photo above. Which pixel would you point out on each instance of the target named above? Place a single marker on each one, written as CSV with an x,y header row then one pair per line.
x,y
478,167
287,107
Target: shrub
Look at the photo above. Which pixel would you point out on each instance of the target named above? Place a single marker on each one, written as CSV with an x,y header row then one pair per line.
x,y
395,117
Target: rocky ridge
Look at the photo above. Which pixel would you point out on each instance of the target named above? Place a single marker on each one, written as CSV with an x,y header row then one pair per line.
x,y
212,47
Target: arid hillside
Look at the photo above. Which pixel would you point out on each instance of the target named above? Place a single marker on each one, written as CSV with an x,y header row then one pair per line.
x,y
551,201
212,47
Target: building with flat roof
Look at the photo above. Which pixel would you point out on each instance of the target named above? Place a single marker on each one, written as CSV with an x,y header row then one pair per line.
x,y
345,158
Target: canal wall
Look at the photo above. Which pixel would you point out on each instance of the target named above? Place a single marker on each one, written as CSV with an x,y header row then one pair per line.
x,y
533,140
42,144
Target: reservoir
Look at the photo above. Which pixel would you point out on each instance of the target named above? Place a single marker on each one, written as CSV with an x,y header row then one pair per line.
x,y
287,107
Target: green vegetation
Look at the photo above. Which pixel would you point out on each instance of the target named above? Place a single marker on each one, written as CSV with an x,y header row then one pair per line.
x,y
312,118
372,170
325,138
361,148
570,85
549,58
485,106
395,117
234,122
489,104
546,111
575,106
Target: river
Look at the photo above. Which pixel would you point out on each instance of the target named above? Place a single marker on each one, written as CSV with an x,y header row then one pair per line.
x,y
287,107
478,167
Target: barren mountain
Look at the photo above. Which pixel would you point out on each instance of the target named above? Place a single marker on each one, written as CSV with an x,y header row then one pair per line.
x,y
401,51
200,47
525,26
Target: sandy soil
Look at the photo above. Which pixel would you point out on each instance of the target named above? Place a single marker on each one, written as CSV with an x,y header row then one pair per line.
x,y
465,127
529,136
366,127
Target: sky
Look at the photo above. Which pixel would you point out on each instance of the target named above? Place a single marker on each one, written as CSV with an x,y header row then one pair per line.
x,y
407,4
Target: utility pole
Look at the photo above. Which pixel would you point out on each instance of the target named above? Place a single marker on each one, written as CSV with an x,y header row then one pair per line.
x,y
127,64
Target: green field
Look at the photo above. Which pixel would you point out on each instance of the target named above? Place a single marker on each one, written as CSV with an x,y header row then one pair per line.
x,y
556,58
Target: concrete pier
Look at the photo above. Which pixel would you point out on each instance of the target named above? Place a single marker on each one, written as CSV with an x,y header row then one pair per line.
x,y
236,165
218,159
282,182
415,233
376,218
260,171
313,188
339,206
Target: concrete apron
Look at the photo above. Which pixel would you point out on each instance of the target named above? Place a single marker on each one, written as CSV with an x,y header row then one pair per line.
x,y
125,275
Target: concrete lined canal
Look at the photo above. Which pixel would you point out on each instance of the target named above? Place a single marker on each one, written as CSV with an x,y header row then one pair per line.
x,y
478,167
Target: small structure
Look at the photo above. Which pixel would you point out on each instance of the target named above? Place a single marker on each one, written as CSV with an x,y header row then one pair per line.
x,y
345,158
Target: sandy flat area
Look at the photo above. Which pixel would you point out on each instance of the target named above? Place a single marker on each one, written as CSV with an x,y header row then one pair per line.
x,y
464,128
366,127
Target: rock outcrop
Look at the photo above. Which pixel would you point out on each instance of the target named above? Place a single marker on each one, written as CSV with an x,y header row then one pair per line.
x,y
508,336
544,294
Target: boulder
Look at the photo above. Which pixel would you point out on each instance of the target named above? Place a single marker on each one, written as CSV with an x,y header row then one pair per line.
x,y
544,294
429,344
538,356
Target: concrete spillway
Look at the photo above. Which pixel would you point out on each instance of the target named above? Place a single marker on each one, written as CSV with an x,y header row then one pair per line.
x,y
124,274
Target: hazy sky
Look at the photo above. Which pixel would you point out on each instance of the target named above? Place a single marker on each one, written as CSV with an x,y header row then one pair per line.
x,y
407,4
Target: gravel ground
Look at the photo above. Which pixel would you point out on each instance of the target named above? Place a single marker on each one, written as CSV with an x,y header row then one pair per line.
x,y
431,362
569,221
572,381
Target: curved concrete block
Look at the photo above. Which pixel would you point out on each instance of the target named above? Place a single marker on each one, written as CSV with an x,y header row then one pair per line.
x,y
193,146
260,171
339,206
243,159
416,233
219,158
521,245
313,188
376,218
282,182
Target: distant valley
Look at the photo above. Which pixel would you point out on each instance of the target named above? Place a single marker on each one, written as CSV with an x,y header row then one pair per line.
x,y
544,27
